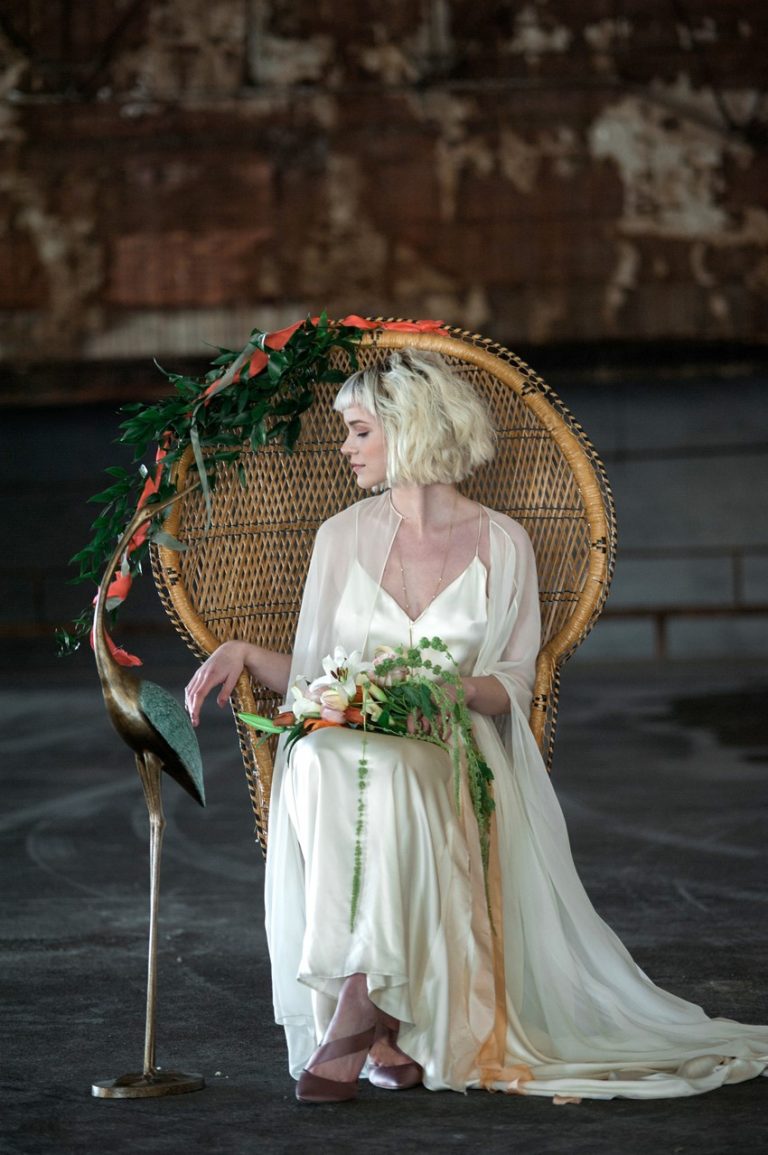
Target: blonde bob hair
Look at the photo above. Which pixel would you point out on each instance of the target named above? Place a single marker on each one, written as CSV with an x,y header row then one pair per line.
x,y
436,427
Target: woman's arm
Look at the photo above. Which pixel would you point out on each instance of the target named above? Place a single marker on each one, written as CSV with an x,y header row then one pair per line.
x,y
224,667
486,695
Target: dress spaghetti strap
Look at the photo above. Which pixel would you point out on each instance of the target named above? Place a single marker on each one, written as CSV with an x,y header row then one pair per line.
x,y
479,531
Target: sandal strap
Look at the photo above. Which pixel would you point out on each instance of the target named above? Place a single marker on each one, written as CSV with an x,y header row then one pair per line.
x,y
315,1089
338,1048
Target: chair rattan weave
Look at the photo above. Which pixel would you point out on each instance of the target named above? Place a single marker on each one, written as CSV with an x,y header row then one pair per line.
x,y
243,577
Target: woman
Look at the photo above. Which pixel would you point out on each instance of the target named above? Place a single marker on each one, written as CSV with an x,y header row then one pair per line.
x,y
539,996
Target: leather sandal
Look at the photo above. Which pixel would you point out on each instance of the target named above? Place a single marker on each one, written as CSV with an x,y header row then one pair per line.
x,y
312,1088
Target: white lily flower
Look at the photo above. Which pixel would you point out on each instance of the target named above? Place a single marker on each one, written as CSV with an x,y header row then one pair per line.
x,y
341,670
303,704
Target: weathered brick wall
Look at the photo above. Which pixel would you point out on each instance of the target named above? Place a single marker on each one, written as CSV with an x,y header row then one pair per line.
x,y
556,170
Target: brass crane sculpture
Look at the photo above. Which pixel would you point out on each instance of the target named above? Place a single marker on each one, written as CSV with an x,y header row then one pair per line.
x,y
159,732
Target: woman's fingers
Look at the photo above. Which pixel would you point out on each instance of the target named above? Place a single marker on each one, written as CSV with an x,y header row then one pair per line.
x,y
222,668
416,722
194,696
228,686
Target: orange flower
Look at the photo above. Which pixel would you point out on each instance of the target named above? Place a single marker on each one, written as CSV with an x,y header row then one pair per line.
x,y
397,326
151,486
122,657
285,718
118,588
319,723
355,716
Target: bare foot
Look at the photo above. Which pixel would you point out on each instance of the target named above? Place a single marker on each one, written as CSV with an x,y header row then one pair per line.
x,y
385,1051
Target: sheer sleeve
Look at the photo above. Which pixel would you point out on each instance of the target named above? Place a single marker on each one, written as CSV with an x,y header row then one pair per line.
x,y
361,535
514,624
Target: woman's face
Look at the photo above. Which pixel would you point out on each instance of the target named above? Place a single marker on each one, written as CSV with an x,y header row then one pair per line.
x,y
365,447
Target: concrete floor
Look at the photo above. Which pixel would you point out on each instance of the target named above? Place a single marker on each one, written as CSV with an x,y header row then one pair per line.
x,y
661,771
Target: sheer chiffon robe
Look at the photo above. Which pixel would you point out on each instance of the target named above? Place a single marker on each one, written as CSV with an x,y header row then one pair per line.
x,y
549,1001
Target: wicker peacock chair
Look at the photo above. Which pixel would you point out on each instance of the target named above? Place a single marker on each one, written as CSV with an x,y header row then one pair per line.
x,y
243,576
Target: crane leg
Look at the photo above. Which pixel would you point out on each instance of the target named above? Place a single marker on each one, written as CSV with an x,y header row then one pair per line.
x,y
150,771
153,1080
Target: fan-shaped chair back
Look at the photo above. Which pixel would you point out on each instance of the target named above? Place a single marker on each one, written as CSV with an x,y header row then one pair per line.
x,y
243,576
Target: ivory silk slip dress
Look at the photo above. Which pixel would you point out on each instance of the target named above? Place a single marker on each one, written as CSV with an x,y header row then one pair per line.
x,y
544,1000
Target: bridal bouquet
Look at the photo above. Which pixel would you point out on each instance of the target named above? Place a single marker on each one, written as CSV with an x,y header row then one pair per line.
x,y
404,692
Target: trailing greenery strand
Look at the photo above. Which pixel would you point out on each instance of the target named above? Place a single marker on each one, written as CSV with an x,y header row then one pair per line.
x,y
357,874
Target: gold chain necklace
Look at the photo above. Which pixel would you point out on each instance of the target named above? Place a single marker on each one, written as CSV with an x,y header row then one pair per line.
x,y
411,620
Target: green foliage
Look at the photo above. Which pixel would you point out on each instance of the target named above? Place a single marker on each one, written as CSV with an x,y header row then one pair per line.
x,y
253,410
357,874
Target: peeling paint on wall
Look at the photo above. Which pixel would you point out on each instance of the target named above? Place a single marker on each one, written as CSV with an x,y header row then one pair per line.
x,y
461,150
670,170
519,160
547,312
457,150
391,63
13,68
536,34
673,187
347,257
623,279
284,62
705,32
72,259
606,37
191,46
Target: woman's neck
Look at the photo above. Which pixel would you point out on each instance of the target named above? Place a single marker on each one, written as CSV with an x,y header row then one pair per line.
x,y
425,506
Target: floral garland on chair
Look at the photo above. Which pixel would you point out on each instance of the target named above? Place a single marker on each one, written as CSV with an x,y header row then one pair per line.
x,y
249,398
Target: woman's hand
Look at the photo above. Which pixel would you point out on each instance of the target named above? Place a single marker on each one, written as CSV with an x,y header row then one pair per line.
x,y
417,723
222,668
225,666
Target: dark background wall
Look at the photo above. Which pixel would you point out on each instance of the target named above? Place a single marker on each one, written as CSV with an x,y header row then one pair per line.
x,y
583,180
